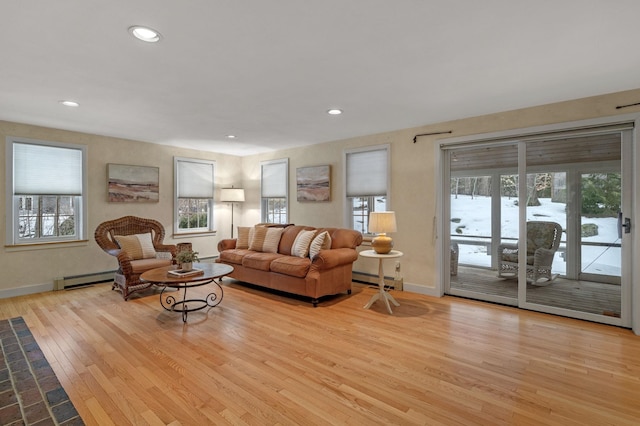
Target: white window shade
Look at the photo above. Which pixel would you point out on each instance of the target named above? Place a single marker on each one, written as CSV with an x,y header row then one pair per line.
x,y
195,180
274,179
367,173
46,170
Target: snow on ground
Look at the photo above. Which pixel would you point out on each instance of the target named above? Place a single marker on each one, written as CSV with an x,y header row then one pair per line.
x,y
475,221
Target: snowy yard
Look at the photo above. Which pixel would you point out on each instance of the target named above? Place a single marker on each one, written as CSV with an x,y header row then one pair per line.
x,y
475,221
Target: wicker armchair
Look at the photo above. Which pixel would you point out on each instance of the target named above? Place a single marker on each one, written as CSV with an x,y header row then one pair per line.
x,y
543,240
150,253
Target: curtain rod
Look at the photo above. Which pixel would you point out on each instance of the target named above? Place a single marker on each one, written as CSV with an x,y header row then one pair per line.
x,y
627,106
415,138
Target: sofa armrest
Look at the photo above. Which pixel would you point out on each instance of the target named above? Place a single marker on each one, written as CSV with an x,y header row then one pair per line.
x,y
226,244
327,259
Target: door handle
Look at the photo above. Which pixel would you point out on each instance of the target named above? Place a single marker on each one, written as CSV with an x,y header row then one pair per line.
x,y
626,224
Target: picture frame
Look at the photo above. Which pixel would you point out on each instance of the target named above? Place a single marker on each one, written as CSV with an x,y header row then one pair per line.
x,y
133,184
313,183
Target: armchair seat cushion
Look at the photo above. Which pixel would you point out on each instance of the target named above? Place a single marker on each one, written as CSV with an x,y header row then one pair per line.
x,y
513,257
142,265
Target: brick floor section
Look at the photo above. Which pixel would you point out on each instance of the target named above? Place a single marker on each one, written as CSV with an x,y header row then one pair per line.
x,y
30,393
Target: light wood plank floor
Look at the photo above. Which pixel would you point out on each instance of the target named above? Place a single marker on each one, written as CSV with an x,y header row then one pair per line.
x,y
263,359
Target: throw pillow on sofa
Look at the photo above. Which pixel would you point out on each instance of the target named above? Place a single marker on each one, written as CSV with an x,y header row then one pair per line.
x,y
266,239
243,237
321,242
301,244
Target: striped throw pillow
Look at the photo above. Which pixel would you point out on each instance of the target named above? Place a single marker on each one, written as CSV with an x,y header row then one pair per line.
x,y
138,246
266,239
300,246
321,242
243,237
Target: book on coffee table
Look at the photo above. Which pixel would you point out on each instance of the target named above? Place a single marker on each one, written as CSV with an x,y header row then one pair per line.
x,y
183,273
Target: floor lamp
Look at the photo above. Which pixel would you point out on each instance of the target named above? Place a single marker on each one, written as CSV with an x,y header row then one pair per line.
x,y
232,195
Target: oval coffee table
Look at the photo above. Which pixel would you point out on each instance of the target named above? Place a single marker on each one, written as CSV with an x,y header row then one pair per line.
x,y
210,272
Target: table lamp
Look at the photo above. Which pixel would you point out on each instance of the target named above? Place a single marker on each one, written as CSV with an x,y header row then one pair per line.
x,y
380,223
232,195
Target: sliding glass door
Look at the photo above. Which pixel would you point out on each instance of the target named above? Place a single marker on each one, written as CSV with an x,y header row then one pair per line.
x,y
539,223
483,214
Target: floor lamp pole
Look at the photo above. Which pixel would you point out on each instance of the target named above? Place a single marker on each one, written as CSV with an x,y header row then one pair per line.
x,y
231,220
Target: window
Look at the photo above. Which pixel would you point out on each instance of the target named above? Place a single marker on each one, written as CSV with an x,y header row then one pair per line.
x,y
367,182
274,191
46,184
194,195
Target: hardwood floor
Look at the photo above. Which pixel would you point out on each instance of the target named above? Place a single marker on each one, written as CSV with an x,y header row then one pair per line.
x,y
261,358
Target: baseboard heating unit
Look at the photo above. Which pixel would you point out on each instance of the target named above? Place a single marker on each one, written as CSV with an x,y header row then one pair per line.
x,y
75,281
365,278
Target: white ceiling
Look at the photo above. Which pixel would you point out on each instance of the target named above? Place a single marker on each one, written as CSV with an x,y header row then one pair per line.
x,y
267,71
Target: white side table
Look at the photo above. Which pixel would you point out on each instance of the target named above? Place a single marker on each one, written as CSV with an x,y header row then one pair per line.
x,y
384,295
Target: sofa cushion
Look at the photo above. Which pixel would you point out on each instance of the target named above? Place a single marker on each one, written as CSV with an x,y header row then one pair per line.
x,y
260,261
138,246
243,237
301,243
291,265
142,265
321,242
265,239
234,255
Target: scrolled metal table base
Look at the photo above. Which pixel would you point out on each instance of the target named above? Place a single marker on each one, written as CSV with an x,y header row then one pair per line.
x,y
170,303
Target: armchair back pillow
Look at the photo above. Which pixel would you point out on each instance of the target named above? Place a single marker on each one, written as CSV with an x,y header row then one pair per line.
x,y
138,246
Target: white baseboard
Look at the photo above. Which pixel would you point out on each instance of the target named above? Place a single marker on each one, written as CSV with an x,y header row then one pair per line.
x,y
420,289
364,277
25,290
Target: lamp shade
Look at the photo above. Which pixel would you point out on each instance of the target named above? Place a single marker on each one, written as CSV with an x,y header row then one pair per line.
x,y
232,195
382,222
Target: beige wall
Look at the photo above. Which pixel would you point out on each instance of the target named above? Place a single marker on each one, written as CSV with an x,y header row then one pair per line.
x,y
414,177
34,268
413,189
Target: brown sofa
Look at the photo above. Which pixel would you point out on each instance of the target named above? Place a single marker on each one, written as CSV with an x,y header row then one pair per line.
x,y
328,273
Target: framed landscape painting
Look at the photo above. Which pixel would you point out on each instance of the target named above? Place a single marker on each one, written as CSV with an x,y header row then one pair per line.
x,y
133,184
313,183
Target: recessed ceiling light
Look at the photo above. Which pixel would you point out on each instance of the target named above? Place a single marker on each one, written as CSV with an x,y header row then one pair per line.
x,y
70,103
146,34
231,136
334,111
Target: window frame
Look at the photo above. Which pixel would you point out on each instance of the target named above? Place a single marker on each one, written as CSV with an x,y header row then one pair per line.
x,y
210,202
349,201
12,209
266,201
